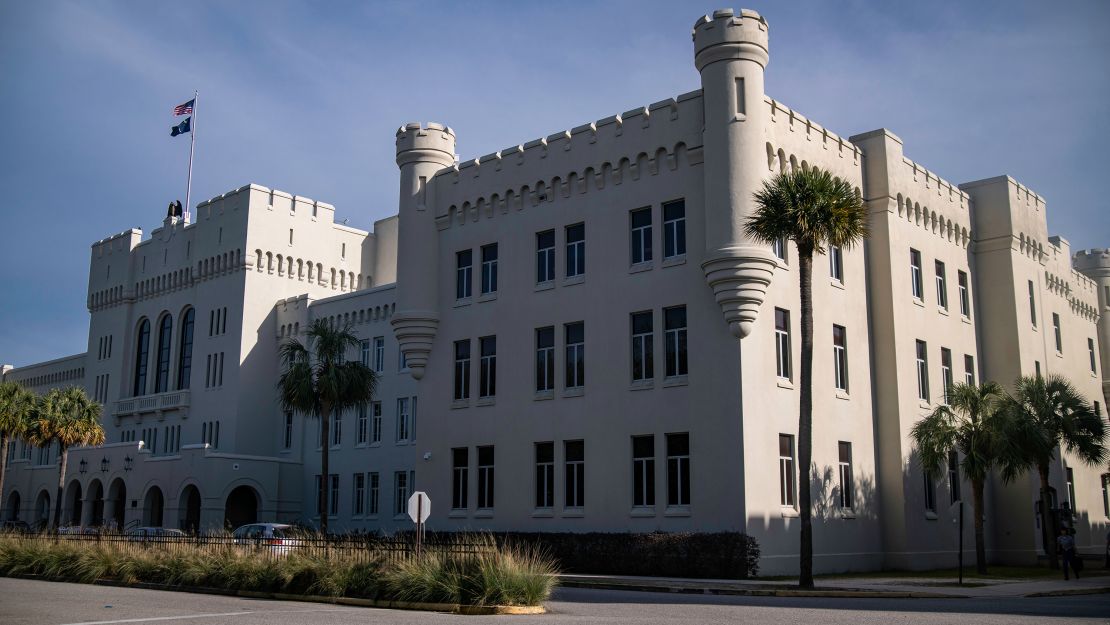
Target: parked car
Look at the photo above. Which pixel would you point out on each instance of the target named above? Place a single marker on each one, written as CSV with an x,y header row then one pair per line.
x,y
148,534
278,537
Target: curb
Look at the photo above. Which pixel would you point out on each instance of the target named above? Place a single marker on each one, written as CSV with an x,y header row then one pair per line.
x,y
455,608
760,592
1068,592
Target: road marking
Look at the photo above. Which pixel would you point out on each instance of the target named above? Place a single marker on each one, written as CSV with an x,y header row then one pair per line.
x,y
195,616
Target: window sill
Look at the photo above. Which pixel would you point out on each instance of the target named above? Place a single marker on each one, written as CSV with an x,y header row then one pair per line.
x,y
843,395
676,380
917,302
360,446
782,264
487,297
930,515
399,517
459,303
460,403
789,513
965,319
942,310
640,267
574,392
642,385
677,511
456,514
1059,354
375,444
836,284
674,261
545,286
543,514
578,279
543,395
784,383
573,513
641,512
486,401
924,404
847,513
484,513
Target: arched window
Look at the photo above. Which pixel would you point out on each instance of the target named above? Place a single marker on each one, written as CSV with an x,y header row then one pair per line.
x,y
162,371
141,356
185,350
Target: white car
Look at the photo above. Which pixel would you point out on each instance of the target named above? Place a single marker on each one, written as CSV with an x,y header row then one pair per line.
x,y
154,534
276,536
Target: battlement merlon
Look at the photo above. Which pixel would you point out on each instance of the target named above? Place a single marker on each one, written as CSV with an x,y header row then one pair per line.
x,y
425,142
726,35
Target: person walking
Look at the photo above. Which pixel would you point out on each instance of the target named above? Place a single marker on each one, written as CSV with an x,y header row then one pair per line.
x,y
1065,542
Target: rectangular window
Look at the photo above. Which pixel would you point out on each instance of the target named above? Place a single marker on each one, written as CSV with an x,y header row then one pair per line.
x,y
462,370
364,352
1071,487
787,477
674,229
401,490
1056,333
642,346
946,372
489,268
375,489
545,359
641,235
1037,367
678,469
404,420
464,268
1032,305
359,496
845,464
460,477
288,440
930,492
576,250
336,428
376,422
545,475
575,335
942,285
922,371
1091,354
574,481
778,248
362,427
545,256
674,337
643,471
782,343
969,370
333,495
916,281
840,358
487,366
1106,495
953,476
965,297
836,263
379,354
485,477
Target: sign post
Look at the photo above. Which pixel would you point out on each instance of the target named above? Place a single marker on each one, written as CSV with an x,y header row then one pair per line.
x,y
420,508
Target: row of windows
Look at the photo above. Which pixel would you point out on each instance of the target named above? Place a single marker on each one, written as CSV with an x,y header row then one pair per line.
x,y
210,434
366,493
162,354
917,284
783,360
104,347
368,425
214,370
1059,339
640,250
217,321
788,475
100,388
946,375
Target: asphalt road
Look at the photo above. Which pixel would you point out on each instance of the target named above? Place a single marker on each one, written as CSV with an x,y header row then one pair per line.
x,y
26,602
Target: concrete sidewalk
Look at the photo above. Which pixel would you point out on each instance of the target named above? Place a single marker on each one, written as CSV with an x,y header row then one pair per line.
x,y
880,586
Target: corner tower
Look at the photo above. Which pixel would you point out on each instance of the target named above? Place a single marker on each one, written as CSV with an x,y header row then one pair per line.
x,y
1095,264
421,152
730,52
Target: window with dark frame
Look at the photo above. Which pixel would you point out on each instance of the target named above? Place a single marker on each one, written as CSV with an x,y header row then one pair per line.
x,y
643,470
642,346
487,366
464,273
485,477
922,351
942,285
576,250
574,482
844,454
674,229
640,221
782,343
917,284
787,479
460,477
545,475
575,355
489,268
545,256
840,358
545,359
462,370
678,469
965,296
674,339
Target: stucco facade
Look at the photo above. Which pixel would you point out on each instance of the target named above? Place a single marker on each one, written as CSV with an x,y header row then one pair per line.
x,y
575,334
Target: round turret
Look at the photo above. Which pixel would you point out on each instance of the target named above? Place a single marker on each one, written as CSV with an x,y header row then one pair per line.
x,y
430,143
726,35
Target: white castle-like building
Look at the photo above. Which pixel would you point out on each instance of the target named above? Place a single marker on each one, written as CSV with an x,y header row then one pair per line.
x,y
575,334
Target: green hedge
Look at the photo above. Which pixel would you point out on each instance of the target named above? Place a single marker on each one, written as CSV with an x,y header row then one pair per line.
x,y
499,576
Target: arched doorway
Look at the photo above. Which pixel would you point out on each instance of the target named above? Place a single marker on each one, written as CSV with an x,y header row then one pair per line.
x,y
94,499
42,508
189,505
71,505
116,503
12,509
153,507
241,507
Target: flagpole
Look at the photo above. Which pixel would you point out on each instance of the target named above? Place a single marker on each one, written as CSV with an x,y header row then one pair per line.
x,y
192,145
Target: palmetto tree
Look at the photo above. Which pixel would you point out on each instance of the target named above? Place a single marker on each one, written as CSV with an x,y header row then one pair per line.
x,y
814,209
67,417
1049,413
16,404
975,424
317,380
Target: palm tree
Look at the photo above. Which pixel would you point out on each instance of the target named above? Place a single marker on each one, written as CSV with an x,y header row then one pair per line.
x,y
318,381
67,417
974,424
16,404
814,209
1049,413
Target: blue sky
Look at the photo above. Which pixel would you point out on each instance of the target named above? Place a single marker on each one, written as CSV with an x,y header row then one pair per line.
x,y
306,96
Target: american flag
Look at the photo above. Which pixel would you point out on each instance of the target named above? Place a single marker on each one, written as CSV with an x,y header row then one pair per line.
x,y
184,109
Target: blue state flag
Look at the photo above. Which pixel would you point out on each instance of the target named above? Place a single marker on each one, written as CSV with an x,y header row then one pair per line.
x,y
182,128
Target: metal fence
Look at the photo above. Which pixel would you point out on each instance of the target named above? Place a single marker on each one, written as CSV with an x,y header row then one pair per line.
x,y
360,548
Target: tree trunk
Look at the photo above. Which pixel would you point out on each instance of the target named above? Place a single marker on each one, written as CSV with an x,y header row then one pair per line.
x,y
977,510
805,421
325,481
3,468
1048,519
64,453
